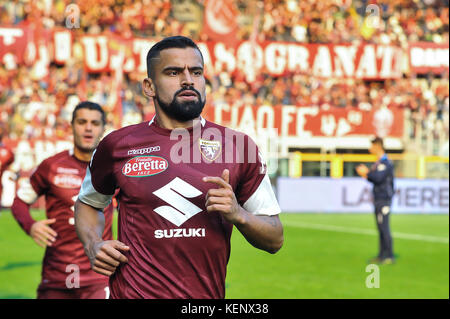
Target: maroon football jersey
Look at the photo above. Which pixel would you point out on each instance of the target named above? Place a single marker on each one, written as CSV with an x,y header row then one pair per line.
x,y
59,178
177,248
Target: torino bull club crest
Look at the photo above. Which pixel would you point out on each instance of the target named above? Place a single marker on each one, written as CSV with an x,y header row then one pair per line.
x,y
210,149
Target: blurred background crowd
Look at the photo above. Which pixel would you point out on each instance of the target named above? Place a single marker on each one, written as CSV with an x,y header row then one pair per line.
x,y
37,108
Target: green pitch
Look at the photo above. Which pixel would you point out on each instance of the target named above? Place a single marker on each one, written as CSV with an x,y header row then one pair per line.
x,y
324,256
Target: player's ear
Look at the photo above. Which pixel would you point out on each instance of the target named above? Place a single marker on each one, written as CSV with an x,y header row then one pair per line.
x,y
149,88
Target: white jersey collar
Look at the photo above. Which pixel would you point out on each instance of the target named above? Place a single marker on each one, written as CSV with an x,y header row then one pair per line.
x,y
202,120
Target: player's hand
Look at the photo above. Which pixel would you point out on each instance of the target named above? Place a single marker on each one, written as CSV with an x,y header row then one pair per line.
x,y
362,170
43,234
106,256
222,199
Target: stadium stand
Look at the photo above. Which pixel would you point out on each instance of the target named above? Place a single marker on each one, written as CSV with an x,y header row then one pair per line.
x,y
36,101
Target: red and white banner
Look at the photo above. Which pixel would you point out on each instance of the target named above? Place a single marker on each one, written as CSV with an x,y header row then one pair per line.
x,y
288,120
16,46
367,61
309,121
427,57
103,53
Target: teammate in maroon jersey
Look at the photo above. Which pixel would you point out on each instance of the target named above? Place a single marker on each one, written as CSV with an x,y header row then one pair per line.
x,y
184,182
6,158
66,271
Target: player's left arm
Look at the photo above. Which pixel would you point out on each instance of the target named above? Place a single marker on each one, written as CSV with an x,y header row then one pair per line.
x,y
262,231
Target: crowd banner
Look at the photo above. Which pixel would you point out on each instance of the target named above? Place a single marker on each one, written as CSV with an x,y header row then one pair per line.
x,y
425,57
357,61
308,121
354,195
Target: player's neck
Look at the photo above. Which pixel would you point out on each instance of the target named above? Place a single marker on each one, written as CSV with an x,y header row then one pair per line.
x,y
82,156
166,122
380,154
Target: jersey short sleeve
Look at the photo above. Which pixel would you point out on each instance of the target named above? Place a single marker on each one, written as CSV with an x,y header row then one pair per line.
x,y
254,191
36,185
99,183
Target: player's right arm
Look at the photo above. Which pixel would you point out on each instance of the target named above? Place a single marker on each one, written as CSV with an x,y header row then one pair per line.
x,y
105,256
40,230
95,194
28,192
379,175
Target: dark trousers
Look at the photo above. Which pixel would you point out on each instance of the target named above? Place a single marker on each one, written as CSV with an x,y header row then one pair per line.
x,y
382,213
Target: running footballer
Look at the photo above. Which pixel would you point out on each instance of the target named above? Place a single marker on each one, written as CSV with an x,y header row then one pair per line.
x,y
66,271
182,182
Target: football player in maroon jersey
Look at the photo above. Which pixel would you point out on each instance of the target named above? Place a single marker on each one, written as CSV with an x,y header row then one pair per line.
x,y
178,199
66,271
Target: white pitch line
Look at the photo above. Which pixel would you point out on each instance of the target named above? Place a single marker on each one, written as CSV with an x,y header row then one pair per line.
x,y
361,231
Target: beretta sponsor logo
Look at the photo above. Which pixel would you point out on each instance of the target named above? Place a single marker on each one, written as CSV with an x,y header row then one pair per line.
x,y
142,166
67,181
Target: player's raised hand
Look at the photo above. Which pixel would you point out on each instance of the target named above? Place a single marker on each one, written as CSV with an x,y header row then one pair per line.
x,y
362,170
42,233
106,256
222,199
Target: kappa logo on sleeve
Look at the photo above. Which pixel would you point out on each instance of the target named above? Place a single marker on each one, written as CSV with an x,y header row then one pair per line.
x,y
143,166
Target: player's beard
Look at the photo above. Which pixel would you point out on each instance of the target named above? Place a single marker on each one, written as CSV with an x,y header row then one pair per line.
x,y
182,111
85,148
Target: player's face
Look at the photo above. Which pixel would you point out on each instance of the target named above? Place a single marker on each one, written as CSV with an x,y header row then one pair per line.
x,y
178,84
87,129
374,149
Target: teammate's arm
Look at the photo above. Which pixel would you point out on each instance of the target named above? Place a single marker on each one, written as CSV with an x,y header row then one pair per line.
x,y
263,232
105,256
28,192
40,231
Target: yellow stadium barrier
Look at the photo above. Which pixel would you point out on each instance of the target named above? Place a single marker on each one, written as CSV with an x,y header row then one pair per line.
x,y
337,162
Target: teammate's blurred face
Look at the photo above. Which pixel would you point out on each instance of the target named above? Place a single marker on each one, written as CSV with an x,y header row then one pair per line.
x,y
87,129
178,84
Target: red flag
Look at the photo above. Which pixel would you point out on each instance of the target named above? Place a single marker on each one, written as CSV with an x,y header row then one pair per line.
x,y
220,21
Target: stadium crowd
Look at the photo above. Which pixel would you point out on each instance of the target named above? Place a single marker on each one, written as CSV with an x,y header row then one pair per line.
x,y
42,108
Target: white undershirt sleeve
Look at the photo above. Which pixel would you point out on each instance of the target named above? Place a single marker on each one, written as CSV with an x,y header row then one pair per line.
x,y
26,192
263,200
90,196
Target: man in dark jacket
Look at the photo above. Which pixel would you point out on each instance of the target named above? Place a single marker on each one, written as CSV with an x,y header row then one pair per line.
x,y
381,175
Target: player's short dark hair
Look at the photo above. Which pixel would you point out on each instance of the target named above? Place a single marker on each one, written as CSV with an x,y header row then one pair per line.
x,y
378,140
90,106
168,43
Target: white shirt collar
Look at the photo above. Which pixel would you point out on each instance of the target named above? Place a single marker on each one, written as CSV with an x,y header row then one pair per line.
x,y
202,120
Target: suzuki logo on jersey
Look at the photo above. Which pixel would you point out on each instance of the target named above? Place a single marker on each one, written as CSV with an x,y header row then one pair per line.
x,y
142,166
175,194
180,232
